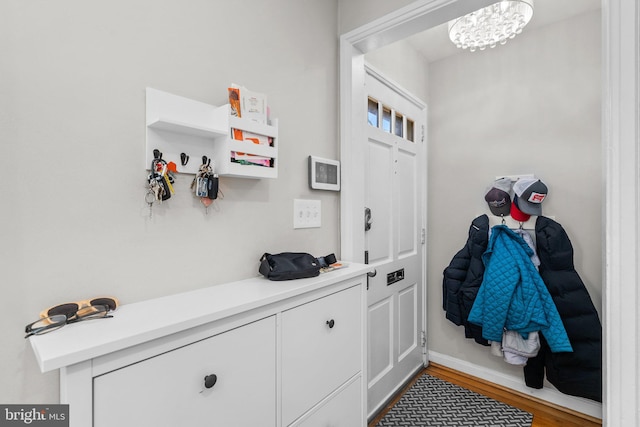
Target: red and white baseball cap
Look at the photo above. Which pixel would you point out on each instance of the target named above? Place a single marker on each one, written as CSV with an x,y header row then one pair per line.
x,y
531,192
516,213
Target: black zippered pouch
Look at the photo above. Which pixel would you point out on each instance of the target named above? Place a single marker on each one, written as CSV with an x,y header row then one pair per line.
x,y
289,266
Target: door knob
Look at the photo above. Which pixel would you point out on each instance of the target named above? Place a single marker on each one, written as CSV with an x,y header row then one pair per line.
x,y
210,380
367,219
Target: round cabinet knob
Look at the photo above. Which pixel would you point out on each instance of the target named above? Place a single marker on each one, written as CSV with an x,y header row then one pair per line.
x,y
210,380
331,323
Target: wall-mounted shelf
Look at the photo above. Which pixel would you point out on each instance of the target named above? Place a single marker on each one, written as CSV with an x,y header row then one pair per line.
x,y
180,125
169,125
224,148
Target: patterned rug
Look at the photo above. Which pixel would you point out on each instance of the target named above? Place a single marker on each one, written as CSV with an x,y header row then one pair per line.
x,y
434,402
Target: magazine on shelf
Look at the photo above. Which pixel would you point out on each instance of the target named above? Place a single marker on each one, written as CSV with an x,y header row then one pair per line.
x,y
255,138
251,159
241,135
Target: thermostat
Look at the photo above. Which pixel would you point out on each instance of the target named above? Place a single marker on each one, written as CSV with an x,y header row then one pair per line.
x,y
324,174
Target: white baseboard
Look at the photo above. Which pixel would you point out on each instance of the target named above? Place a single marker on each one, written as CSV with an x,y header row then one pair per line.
x,y
585,406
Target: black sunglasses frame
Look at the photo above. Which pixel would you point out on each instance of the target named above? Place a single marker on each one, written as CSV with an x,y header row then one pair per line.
x,y
57,321
71,308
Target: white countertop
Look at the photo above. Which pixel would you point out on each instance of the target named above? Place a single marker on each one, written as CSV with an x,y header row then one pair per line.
x,y
144,321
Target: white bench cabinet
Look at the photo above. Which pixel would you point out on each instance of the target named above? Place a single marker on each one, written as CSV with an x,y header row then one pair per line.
x,y
283,354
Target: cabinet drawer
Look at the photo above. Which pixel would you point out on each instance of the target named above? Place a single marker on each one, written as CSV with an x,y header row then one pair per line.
x,y
321,349
169,389
344,409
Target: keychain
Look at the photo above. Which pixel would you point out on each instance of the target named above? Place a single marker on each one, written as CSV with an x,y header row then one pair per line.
x,y
149,198
159,182
205,184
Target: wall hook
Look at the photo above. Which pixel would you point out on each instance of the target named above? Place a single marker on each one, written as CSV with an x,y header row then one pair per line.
x,y
184,159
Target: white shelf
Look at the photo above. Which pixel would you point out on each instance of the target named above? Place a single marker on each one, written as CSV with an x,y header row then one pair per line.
x,y
253,126
239,170
130,324
178,125
169,125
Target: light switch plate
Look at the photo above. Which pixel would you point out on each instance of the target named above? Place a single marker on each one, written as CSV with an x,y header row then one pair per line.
x,y
307,213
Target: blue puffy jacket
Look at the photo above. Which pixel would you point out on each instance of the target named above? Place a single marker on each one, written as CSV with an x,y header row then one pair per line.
x,y
513,295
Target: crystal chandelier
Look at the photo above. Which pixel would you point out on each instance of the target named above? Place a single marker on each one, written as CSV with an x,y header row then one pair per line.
x,y
491,25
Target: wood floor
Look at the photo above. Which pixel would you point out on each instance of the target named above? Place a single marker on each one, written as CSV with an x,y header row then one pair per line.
x,y
545,414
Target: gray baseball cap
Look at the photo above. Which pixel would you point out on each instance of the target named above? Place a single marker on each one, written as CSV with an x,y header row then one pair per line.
x,y
531,193
498,198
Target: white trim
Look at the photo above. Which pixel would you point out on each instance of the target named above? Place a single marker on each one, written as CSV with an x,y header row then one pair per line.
x,y
352,104
76,391
621,127
393,85
579,404
408,20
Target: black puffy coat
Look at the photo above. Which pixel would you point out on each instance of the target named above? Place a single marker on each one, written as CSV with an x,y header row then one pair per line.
x,y
578,373
463,277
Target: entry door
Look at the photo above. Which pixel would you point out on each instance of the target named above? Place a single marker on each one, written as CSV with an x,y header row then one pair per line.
x,y
395,187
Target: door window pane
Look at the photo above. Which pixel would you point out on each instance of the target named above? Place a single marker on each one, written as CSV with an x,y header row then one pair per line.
x,y
389,120
386,119
398,125
410,135
372,112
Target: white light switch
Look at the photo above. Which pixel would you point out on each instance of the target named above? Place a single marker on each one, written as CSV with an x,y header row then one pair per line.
x,y
307,213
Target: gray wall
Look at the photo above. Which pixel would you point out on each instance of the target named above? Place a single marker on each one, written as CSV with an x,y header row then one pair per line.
x,y
404,65
356,13
74,224
531,106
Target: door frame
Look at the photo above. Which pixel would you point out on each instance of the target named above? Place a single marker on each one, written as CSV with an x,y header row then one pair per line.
x,y
621,166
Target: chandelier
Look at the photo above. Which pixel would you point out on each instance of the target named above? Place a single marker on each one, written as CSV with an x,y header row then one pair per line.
x,y
491,25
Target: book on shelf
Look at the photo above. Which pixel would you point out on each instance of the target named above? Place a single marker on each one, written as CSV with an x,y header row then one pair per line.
x,y
234,101
248,104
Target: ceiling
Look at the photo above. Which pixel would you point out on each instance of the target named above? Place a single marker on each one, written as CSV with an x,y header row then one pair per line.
x,y
434,43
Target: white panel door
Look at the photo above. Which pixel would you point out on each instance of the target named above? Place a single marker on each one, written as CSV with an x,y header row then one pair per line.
x,y
395,194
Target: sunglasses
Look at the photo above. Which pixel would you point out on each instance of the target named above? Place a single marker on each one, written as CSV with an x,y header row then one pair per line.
x,y
52,323
71,308
62,314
